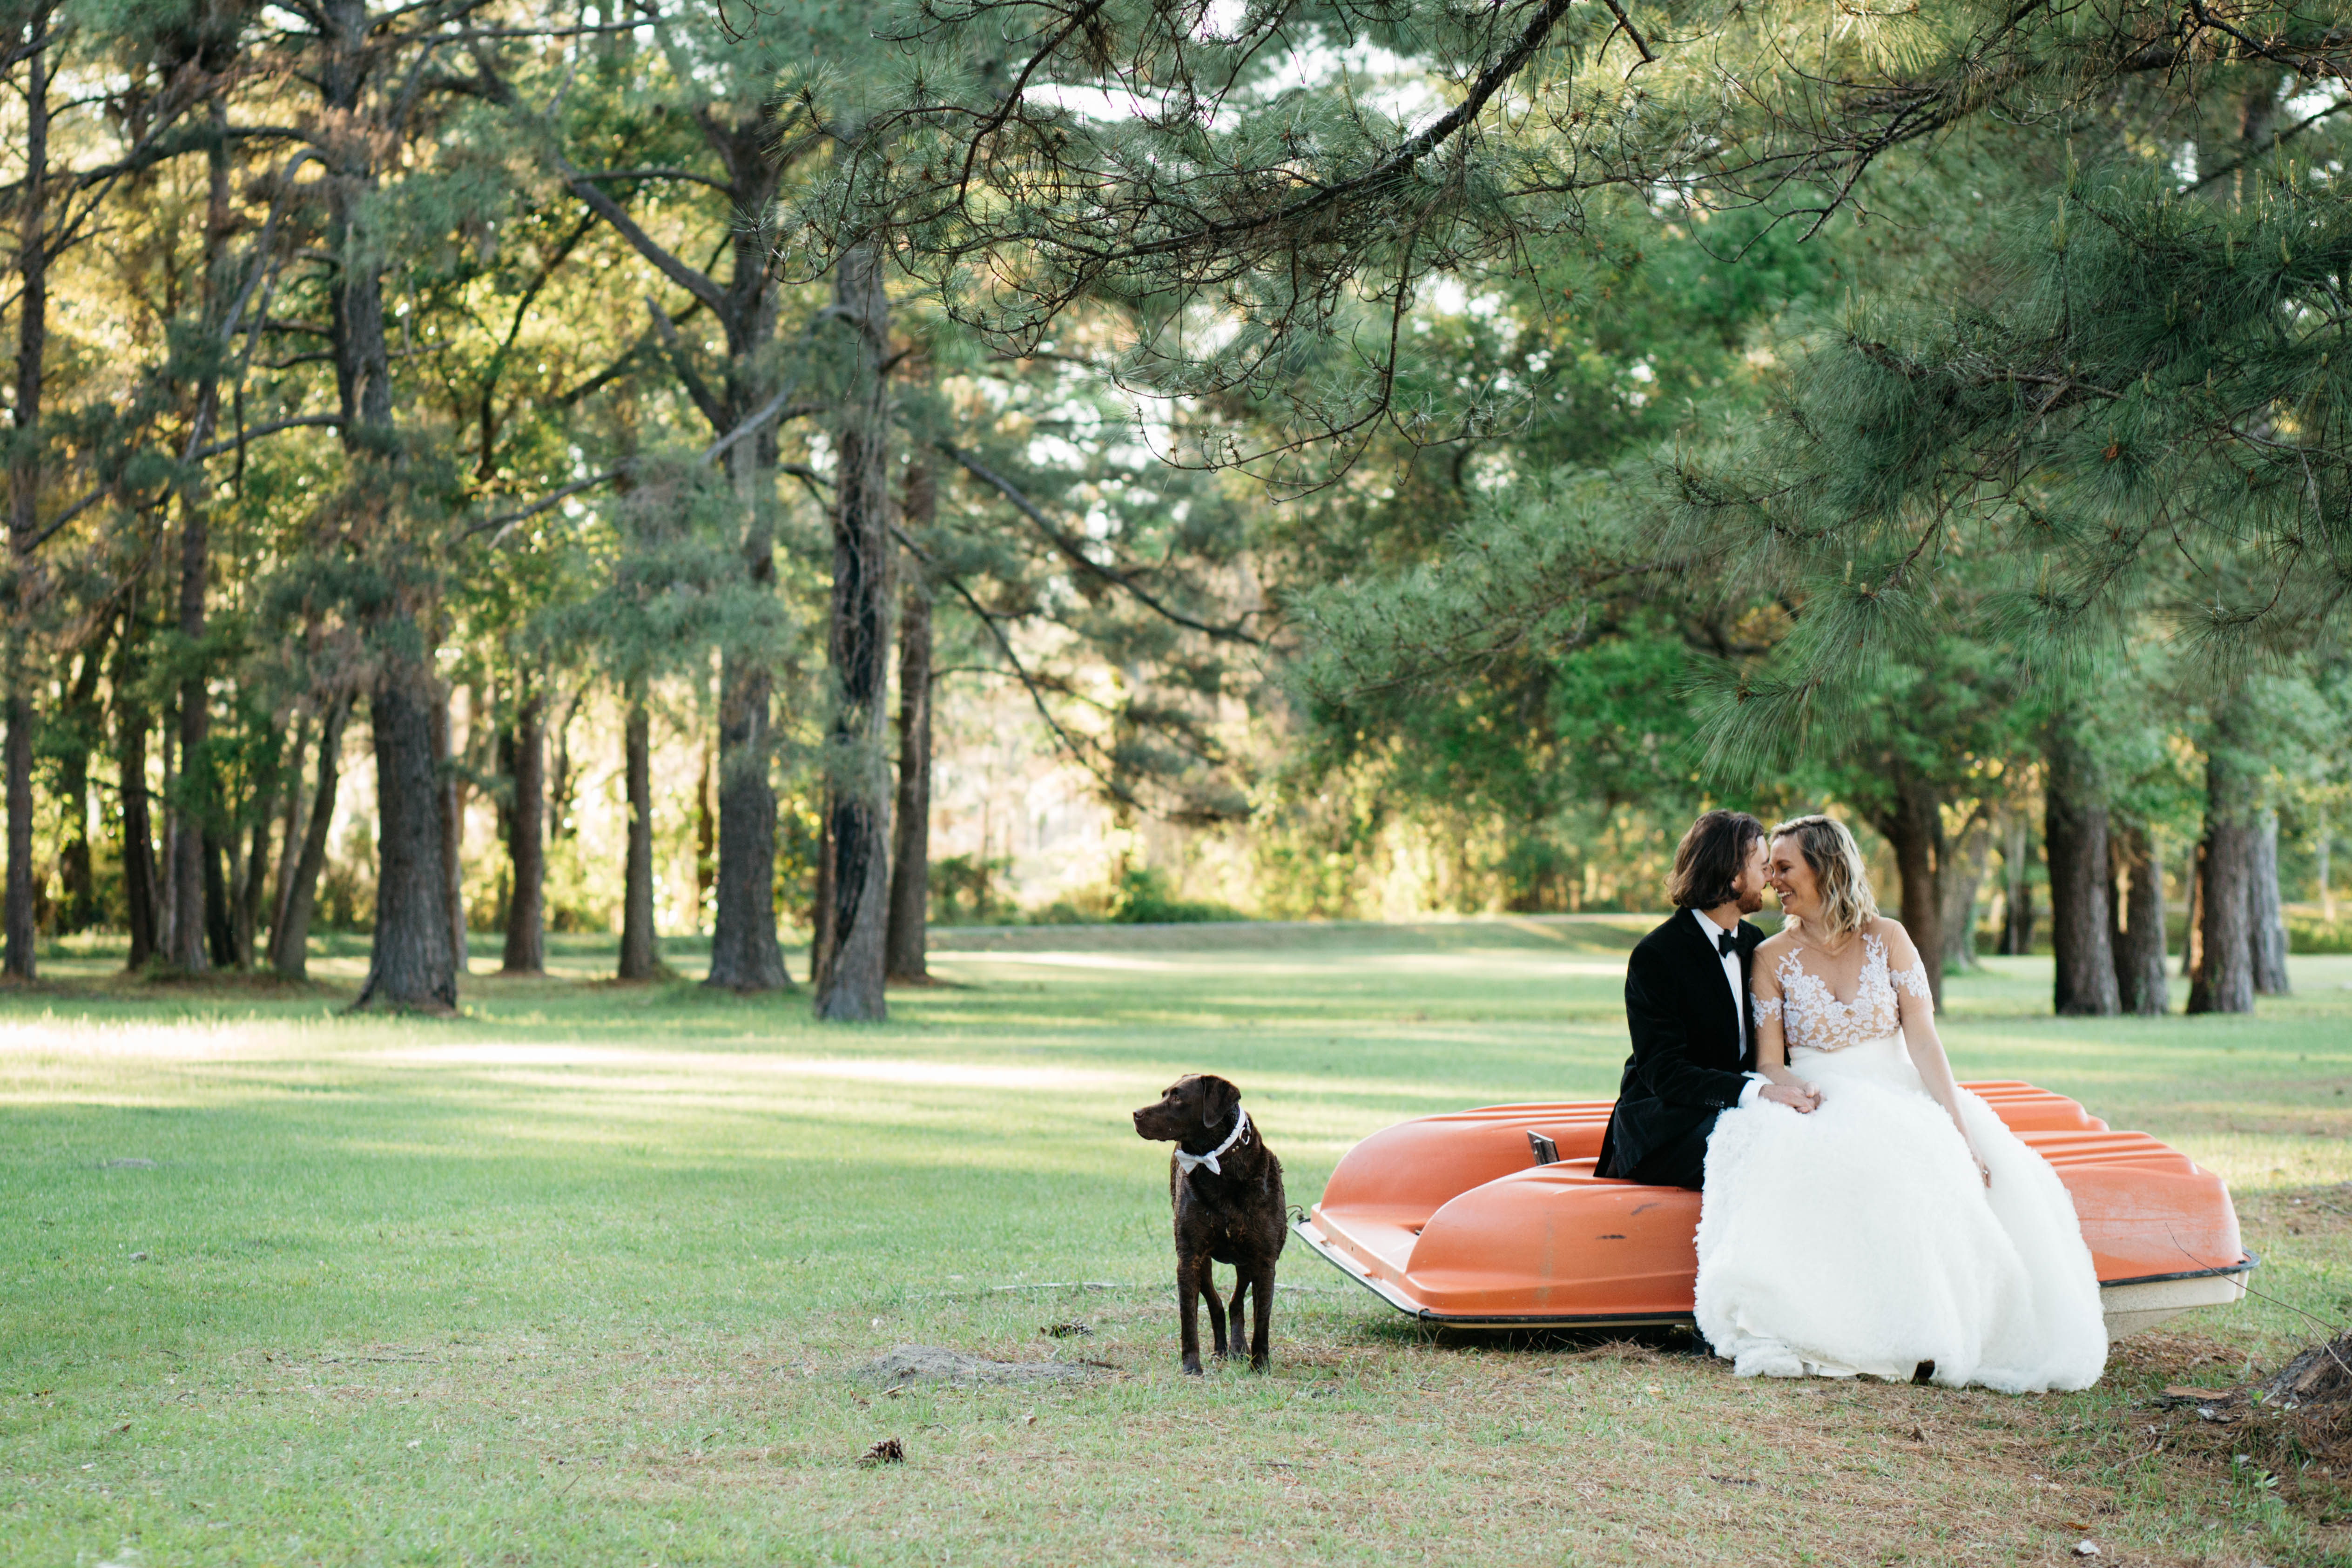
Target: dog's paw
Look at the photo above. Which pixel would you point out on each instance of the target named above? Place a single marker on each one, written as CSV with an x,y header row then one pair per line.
x,y
1193,1366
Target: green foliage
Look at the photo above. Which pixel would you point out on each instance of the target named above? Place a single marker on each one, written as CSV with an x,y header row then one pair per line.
x,y
1145,896
1136,895
967,890
2308,934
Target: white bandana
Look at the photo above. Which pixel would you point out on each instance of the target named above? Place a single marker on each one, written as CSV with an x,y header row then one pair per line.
x,y
1186,1164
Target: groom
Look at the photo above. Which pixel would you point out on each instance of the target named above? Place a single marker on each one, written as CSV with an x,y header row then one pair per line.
x,y
1686,1006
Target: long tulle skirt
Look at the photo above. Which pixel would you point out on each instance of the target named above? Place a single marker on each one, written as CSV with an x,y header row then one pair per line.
x,y
1860,1240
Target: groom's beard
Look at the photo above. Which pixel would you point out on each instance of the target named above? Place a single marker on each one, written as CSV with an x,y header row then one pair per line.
x,y
1749,902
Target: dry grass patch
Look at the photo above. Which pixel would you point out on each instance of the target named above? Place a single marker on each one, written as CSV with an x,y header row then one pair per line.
x,y
1364,1446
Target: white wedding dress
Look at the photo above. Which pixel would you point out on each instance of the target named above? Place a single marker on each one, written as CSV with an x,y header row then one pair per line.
x,y
1859,1238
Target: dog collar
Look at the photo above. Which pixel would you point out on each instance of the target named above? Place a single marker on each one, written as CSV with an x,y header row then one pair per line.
x,y
1188,1163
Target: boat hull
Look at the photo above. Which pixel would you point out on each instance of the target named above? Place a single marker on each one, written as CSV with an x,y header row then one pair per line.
x,y
1450,1220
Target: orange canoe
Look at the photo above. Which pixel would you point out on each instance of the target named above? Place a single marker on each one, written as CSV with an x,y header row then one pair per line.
x,y
1453,1219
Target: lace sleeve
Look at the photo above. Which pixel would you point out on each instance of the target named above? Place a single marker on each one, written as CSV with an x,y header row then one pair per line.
x,y
1768,1008
1915,980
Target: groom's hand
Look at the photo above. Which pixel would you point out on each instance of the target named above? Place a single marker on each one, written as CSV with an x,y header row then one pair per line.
x,y
1807,1098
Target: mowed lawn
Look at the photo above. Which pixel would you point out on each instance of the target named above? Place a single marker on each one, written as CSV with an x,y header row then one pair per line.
x,y
587,1275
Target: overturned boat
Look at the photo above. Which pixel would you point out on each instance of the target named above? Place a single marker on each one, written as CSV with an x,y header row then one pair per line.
x,y
1494,1219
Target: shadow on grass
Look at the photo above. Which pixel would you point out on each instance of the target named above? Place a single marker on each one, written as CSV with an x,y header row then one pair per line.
x,y
1619,1341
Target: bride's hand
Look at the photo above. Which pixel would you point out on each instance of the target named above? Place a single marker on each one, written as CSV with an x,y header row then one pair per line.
x,y
1983,1170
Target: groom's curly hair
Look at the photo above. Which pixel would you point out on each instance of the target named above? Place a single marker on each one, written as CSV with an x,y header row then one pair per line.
x,y
1708,860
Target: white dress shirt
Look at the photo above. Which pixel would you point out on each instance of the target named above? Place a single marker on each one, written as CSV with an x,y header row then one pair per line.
x,y
1715,933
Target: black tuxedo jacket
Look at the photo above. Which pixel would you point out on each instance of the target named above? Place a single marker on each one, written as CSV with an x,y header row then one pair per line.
x,y
1688,1064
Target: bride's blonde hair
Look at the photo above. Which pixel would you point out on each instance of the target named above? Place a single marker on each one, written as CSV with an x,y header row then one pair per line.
x,y
1839,874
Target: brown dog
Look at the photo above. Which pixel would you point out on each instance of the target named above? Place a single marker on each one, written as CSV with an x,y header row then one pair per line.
x,y
1226,1186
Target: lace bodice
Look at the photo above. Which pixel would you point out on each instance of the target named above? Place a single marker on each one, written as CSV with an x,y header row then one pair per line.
x,y
1812,1019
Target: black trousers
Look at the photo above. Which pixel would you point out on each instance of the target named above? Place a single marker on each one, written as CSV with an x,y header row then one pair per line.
x,y
1682,1163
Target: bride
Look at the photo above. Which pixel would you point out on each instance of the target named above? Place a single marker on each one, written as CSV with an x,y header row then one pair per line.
x,y
1901,1222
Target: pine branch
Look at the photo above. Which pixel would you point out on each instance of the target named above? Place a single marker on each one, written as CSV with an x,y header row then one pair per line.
x,y
1071,551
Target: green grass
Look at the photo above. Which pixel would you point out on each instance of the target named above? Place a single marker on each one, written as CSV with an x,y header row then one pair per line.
x,y
581,1275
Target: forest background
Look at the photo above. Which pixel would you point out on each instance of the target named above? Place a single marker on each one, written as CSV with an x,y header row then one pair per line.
x,y
486,465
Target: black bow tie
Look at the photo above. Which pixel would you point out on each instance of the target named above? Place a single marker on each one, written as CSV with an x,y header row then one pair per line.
x,y
1726,943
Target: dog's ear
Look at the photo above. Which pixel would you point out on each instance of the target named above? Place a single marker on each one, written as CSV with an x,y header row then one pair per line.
x,y
1220,1099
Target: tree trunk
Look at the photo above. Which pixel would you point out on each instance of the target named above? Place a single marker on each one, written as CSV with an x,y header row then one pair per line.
x,y
821,910
411,964
1913,825
290,830
857,778
2192,936
526,949
2224,978
24,487
289,934
1959,875
256,884
2017,905
220,931
2074,839
640,954
744,955
450,806
414,959
706,835
2265,921
20,961
190,802
138,889
167,905
911,820
2326,838
560,781
77,877
76,873
201,927
2138,933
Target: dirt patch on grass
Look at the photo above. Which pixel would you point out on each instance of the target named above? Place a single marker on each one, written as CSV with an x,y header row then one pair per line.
x,y
1348,1452
2315,1211
936,1363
